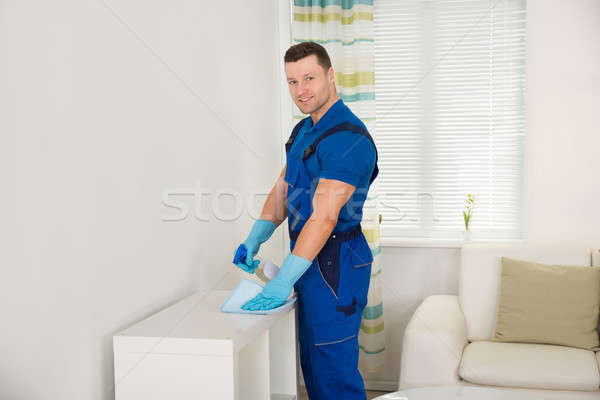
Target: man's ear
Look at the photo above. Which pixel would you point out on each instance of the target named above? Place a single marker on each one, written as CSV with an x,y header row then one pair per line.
x,y
331,75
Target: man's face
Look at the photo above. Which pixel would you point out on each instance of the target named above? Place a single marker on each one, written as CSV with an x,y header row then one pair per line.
x,y
309,83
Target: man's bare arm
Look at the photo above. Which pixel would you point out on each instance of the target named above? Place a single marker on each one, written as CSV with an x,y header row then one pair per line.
x,y
330,197
275,209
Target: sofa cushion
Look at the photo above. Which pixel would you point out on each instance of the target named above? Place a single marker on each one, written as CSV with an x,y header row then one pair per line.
x,y
526,365
548,304
479,277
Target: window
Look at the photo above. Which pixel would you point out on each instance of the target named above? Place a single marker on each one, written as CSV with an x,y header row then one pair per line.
x,y
450,92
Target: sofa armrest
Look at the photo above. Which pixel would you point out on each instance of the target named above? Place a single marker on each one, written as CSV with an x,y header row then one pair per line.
x,y
433,343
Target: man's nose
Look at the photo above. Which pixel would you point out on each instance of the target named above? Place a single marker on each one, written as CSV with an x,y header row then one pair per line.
x,y
302,86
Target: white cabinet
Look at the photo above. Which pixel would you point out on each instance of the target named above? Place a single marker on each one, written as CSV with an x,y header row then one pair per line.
x,y
192,351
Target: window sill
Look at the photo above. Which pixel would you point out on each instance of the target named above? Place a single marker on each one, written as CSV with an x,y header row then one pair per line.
x,y
439,243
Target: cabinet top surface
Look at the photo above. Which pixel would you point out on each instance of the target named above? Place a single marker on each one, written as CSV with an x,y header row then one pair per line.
x,y
199,316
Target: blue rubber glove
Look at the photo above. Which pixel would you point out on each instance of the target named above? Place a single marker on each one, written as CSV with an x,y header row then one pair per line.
x,y
260,233
277,290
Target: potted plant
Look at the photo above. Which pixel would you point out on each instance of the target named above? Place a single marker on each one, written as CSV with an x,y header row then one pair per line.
x,y
467,213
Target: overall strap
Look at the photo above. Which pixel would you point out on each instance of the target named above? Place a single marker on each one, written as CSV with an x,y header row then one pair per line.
x,y
295,131
343,127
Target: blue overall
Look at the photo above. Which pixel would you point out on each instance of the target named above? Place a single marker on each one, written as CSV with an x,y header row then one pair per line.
x,y
332,293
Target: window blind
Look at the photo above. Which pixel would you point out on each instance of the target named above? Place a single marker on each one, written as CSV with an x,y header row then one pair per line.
x,y
450,93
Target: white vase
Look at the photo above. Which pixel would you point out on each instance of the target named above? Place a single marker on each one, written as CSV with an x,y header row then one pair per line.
x,y
466,236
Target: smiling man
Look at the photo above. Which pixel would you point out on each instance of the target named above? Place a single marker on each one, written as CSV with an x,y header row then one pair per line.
x,y
331,162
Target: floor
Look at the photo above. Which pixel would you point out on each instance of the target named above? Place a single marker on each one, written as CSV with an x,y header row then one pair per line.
x,y
370,394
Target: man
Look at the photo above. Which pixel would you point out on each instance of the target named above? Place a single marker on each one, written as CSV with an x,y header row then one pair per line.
x,y
331,162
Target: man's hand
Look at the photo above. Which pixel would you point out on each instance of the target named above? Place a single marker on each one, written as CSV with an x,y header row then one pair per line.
x,y
277,290
244,255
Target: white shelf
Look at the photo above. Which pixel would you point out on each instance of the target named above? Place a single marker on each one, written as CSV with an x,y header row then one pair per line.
x,y
192,350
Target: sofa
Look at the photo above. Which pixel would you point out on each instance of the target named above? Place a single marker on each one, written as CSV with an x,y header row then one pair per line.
x,y
448,339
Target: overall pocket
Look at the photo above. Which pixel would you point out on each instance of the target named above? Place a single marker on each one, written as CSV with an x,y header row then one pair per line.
x,y
361,260
336,344
333,334
360,253
328,261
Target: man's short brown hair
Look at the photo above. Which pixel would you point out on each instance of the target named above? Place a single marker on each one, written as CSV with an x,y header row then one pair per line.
x,y
305,49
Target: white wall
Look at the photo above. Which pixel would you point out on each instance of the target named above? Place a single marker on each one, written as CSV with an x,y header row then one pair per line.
x,y
561,202
563,189
104,106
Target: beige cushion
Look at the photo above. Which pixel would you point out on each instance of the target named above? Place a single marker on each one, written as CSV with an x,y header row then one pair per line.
x,y
480,270
530,366
552,304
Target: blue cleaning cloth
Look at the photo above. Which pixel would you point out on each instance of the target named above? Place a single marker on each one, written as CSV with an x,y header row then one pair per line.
x,y
246,290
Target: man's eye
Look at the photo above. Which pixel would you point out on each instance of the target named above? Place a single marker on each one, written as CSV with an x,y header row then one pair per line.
x,y
292,82
310,78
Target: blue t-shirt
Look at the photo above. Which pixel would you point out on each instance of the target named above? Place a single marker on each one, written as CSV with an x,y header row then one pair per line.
x,y
345,156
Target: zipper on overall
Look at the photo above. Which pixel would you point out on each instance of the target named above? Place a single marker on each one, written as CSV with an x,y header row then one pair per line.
x,y
324,280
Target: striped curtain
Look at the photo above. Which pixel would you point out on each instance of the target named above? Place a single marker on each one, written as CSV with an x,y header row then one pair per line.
x,y
371,339
345,29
